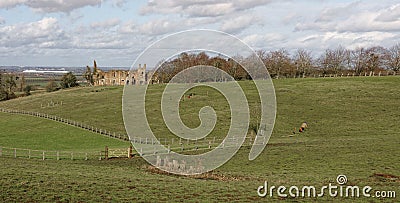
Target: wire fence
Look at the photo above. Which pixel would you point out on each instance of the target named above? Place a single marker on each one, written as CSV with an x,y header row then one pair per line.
x,y
171,142
149,147
146,149
69,122
46,155
344,74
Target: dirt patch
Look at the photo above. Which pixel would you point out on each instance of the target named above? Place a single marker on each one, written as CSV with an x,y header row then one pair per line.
x,y
386,177
206,176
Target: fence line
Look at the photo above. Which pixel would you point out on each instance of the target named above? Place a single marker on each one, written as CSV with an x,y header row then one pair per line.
x,y
346,74
146,150
46,155
151,147
177,142
69,122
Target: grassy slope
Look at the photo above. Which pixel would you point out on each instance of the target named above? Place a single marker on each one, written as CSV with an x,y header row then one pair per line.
x,y
100,107
353,131
29,132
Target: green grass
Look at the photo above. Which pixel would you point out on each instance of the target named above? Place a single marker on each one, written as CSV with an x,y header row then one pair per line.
x,y
28,132
100,107
353,130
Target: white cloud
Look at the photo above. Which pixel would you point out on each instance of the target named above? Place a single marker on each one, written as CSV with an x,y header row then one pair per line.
x,y
268,41
99,41
2,20
40,33
11,3
127,27
350,40
353,21
339,12
50,5
47,34
196,8
238,23
389,15
112,22
204,10
365,22
159,27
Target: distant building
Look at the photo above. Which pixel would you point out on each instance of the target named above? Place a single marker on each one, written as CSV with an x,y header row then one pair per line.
x,y
55,72
123,77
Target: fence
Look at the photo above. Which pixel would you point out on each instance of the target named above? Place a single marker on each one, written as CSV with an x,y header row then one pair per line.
x,y
152,146
347,74
171,142
45,155
146,150
117,153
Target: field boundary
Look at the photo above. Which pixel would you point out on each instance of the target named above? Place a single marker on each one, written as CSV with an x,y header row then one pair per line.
x,y
46,154
176,143
69,122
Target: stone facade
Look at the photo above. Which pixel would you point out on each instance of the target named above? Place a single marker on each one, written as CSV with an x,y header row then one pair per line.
x,y
123,77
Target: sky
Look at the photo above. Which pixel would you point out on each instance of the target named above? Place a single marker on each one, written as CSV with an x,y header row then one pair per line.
x,y
114,32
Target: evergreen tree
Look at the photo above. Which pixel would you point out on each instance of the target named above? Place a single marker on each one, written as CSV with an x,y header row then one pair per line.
x,y
69,80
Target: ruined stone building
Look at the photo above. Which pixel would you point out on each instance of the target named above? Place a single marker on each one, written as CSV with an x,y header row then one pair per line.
x,y
123,77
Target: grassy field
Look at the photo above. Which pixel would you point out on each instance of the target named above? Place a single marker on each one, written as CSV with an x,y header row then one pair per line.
x,y
29,132
353,130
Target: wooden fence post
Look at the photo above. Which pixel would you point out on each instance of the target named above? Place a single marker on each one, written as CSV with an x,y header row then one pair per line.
x,y
1,151
15,152
106,153
72,156
58,155
86,156
43,156
130,152
29,154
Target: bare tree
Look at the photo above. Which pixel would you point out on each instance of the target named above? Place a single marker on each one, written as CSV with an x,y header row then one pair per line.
x,y
334,60
376,58
303,62
393,62
279,62
358,60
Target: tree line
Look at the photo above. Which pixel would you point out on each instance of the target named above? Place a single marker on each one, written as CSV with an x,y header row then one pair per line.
x,y
302,63
10,84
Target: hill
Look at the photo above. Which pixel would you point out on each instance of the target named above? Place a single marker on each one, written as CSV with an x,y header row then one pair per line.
x,y
353,130
28,132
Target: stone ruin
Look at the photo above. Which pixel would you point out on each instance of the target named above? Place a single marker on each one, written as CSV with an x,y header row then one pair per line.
x,y
123,77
